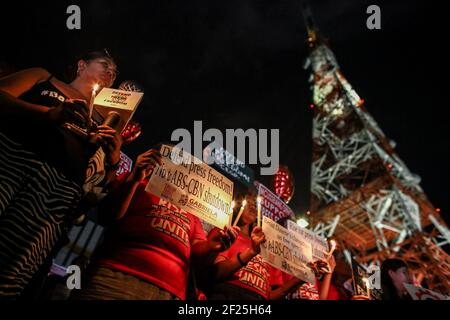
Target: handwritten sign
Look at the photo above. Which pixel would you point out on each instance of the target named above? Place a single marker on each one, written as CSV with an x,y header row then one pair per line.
x,y
193,186
286,251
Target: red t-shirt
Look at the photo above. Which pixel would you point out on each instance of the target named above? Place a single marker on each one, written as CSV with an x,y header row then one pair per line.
x,y
335,294
153,242
276,277
310,291
255,276
307,291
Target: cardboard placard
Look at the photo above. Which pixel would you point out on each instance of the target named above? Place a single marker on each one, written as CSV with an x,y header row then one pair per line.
x,y
193,186
228,164
319,244
360,280
419,293
286,251
123,102
272,206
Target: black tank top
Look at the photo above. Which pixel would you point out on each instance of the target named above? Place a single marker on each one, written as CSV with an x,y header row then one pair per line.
x,y
64,150
44,93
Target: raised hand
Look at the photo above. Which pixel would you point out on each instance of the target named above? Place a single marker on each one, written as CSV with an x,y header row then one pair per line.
x,y
258,237
220,240
111,142
322,266
145,164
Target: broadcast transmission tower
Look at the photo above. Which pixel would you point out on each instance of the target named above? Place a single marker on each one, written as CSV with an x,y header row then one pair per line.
x,y
362,193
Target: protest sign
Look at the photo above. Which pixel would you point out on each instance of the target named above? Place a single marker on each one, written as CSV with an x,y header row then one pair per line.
x,y
419,293
125,165
193,186
227,163
123,102
319,244
360,280
271,205
286,251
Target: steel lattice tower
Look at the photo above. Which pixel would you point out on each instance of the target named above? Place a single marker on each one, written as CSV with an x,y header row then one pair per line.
x,y
362,194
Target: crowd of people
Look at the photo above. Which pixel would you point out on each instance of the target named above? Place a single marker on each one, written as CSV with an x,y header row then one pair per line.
x,y
49,176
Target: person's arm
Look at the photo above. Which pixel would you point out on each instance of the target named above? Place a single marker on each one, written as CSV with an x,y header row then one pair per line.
x,y
205,251
111,143
324,285
116,203
12,86
224,268
287,287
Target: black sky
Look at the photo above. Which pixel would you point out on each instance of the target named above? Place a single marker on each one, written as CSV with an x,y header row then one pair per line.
x,y
238,63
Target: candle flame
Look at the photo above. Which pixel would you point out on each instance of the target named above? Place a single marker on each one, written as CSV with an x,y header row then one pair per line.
x,y
244,203
333,246
95,87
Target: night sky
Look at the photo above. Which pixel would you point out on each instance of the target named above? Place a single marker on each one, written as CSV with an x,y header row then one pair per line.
x,y
238,64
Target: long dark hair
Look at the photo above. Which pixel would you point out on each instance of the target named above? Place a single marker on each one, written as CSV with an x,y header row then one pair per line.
x,y
387,286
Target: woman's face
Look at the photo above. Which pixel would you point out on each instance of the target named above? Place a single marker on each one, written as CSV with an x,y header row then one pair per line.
x,y
100,70
399,277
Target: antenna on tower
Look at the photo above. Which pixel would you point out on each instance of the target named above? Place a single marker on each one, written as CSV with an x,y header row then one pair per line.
x,y
310,24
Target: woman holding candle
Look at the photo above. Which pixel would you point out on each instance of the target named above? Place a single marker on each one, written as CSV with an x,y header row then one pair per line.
x,y
43,167
151,243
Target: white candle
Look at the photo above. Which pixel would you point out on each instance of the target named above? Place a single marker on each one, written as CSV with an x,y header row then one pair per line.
x,y
258,202
333,247
240,213
91,102
233,204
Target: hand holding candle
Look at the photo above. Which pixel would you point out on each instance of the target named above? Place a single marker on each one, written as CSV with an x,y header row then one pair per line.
x,y
244,202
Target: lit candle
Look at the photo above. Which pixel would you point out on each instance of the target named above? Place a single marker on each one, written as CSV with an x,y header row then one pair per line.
x,y
91,102
367,284
240,213
233,204
258,202
333,247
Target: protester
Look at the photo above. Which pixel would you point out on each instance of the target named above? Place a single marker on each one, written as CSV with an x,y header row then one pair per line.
x,y
43,167
394,274
150,244
240,272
